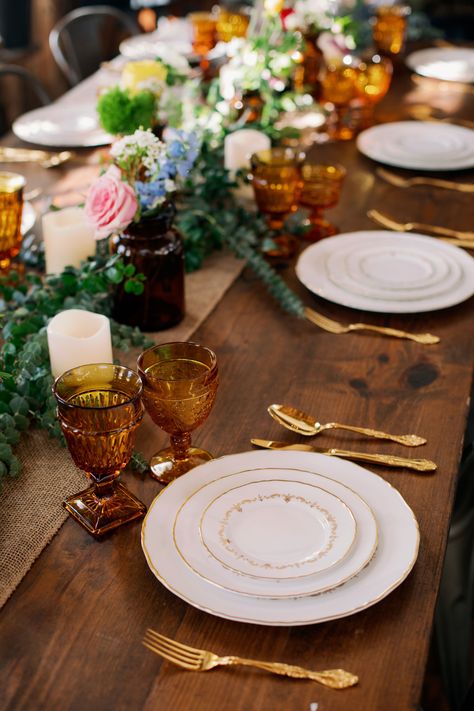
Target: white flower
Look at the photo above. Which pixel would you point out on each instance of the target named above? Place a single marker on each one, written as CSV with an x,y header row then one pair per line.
x,y
141,143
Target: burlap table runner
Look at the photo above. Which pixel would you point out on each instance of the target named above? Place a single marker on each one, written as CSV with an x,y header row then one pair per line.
x,y
31,509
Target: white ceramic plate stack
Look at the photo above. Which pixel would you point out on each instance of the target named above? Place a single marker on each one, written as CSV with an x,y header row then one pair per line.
x,y
62,125
387,272
419,145
280,538
448,63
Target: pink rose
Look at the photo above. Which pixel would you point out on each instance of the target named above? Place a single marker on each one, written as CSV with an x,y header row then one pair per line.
x,y
111,204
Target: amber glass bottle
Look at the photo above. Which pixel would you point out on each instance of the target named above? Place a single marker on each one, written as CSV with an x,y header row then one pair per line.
x,y
155,248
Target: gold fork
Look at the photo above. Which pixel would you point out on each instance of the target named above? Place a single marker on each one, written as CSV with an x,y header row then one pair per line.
x,y
328,324
400,182
382,219
201,660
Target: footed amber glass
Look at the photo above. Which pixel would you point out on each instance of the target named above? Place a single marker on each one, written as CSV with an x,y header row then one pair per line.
x,y
99,409
389,28
321,189
277,183
204,32
339,88
179,388
372,83
231,24
11,207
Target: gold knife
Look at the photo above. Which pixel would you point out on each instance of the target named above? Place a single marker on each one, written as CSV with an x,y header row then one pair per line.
x,y
420,465
392,224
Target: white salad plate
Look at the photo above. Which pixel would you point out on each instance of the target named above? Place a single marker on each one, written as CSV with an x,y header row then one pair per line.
x,y
448,63
346,269
419,145
200,559
62,125
277,529
398,541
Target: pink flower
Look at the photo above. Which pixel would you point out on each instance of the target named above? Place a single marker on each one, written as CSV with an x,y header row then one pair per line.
x,y
111,204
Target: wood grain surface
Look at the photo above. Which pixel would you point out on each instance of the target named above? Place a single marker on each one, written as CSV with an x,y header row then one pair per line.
x,y
71,634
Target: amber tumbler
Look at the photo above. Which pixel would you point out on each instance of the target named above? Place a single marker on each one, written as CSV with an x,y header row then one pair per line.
x,y
390,27
11,209
321,189
179,388
99,410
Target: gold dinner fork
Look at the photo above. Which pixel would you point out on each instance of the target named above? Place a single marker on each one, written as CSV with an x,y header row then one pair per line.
x,y
331,326
194,659
382,219
400,182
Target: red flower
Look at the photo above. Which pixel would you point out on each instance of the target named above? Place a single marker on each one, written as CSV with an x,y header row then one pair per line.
x,y
286,12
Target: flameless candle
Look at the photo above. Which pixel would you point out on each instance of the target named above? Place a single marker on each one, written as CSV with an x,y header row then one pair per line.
x,y
77,337
239,146
68,239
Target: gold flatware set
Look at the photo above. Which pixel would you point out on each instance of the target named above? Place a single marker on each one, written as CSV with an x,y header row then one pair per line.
x,y
385,221
193,659
46,159
400,182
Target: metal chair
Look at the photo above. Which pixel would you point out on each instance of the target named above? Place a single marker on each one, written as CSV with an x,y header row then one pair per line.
x,y
31,89
85,37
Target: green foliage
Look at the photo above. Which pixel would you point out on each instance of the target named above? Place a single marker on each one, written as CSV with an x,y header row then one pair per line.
x,y
121,113
26,307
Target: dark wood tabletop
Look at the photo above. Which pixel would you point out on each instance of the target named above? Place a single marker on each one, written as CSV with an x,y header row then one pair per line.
x,y
71,633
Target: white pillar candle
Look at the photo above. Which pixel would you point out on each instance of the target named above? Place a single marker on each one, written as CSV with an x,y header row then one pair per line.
x,y
239,146
68,239
77,337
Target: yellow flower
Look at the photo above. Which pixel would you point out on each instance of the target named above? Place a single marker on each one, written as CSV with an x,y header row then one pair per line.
x,y
273,7
147,74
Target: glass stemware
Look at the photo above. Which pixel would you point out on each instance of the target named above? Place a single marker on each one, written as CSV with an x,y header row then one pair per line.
x,y
11,208
204,31
339,88
321,189
277,183
99,410
231,24
179,388
389,28
372,83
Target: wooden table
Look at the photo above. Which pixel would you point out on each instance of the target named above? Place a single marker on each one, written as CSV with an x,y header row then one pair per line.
x,y
71,633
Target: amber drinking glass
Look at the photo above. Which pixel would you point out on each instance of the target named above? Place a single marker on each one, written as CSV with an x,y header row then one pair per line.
x,y
99,410
339,88
373,82
277,183
179,388
230,25
204,32
11,208
389,28
321,189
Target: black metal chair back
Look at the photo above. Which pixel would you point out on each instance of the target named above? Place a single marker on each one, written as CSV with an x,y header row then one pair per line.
x,y
24,92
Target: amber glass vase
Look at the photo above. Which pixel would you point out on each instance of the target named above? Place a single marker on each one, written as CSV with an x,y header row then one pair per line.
x,y
155,249
179,388
11,208
307,74
99,410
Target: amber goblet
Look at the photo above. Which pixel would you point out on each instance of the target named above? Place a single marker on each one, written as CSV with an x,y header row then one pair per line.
x,y
204,32
231,24
321,189
277,183
389,28
11,208
179,388
99,410
339,88
372,83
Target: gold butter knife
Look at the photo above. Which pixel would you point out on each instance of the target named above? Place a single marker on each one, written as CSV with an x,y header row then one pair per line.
x,y
420,465
386,221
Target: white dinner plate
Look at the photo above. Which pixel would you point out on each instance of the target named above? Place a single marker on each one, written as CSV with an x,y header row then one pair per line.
x,y
410,274
277,529
312,270
396,553
28,217
62,125
448,63
419,145
150,46
197,558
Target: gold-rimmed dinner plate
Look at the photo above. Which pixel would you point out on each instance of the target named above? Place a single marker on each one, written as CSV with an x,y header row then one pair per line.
x,y
398,541
264,542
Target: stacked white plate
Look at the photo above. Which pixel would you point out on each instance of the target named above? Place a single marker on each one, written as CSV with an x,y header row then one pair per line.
x,y
448,63
388,272
62,125
419,145
280,538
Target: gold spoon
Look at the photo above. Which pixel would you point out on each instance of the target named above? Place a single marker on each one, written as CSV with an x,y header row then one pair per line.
x,y
304,424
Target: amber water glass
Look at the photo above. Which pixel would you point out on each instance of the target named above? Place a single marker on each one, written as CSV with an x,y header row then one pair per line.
x,y
277,183
204,32
99,410
373,82
389,28
321,189
231,24
179,388
11,208
339,88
